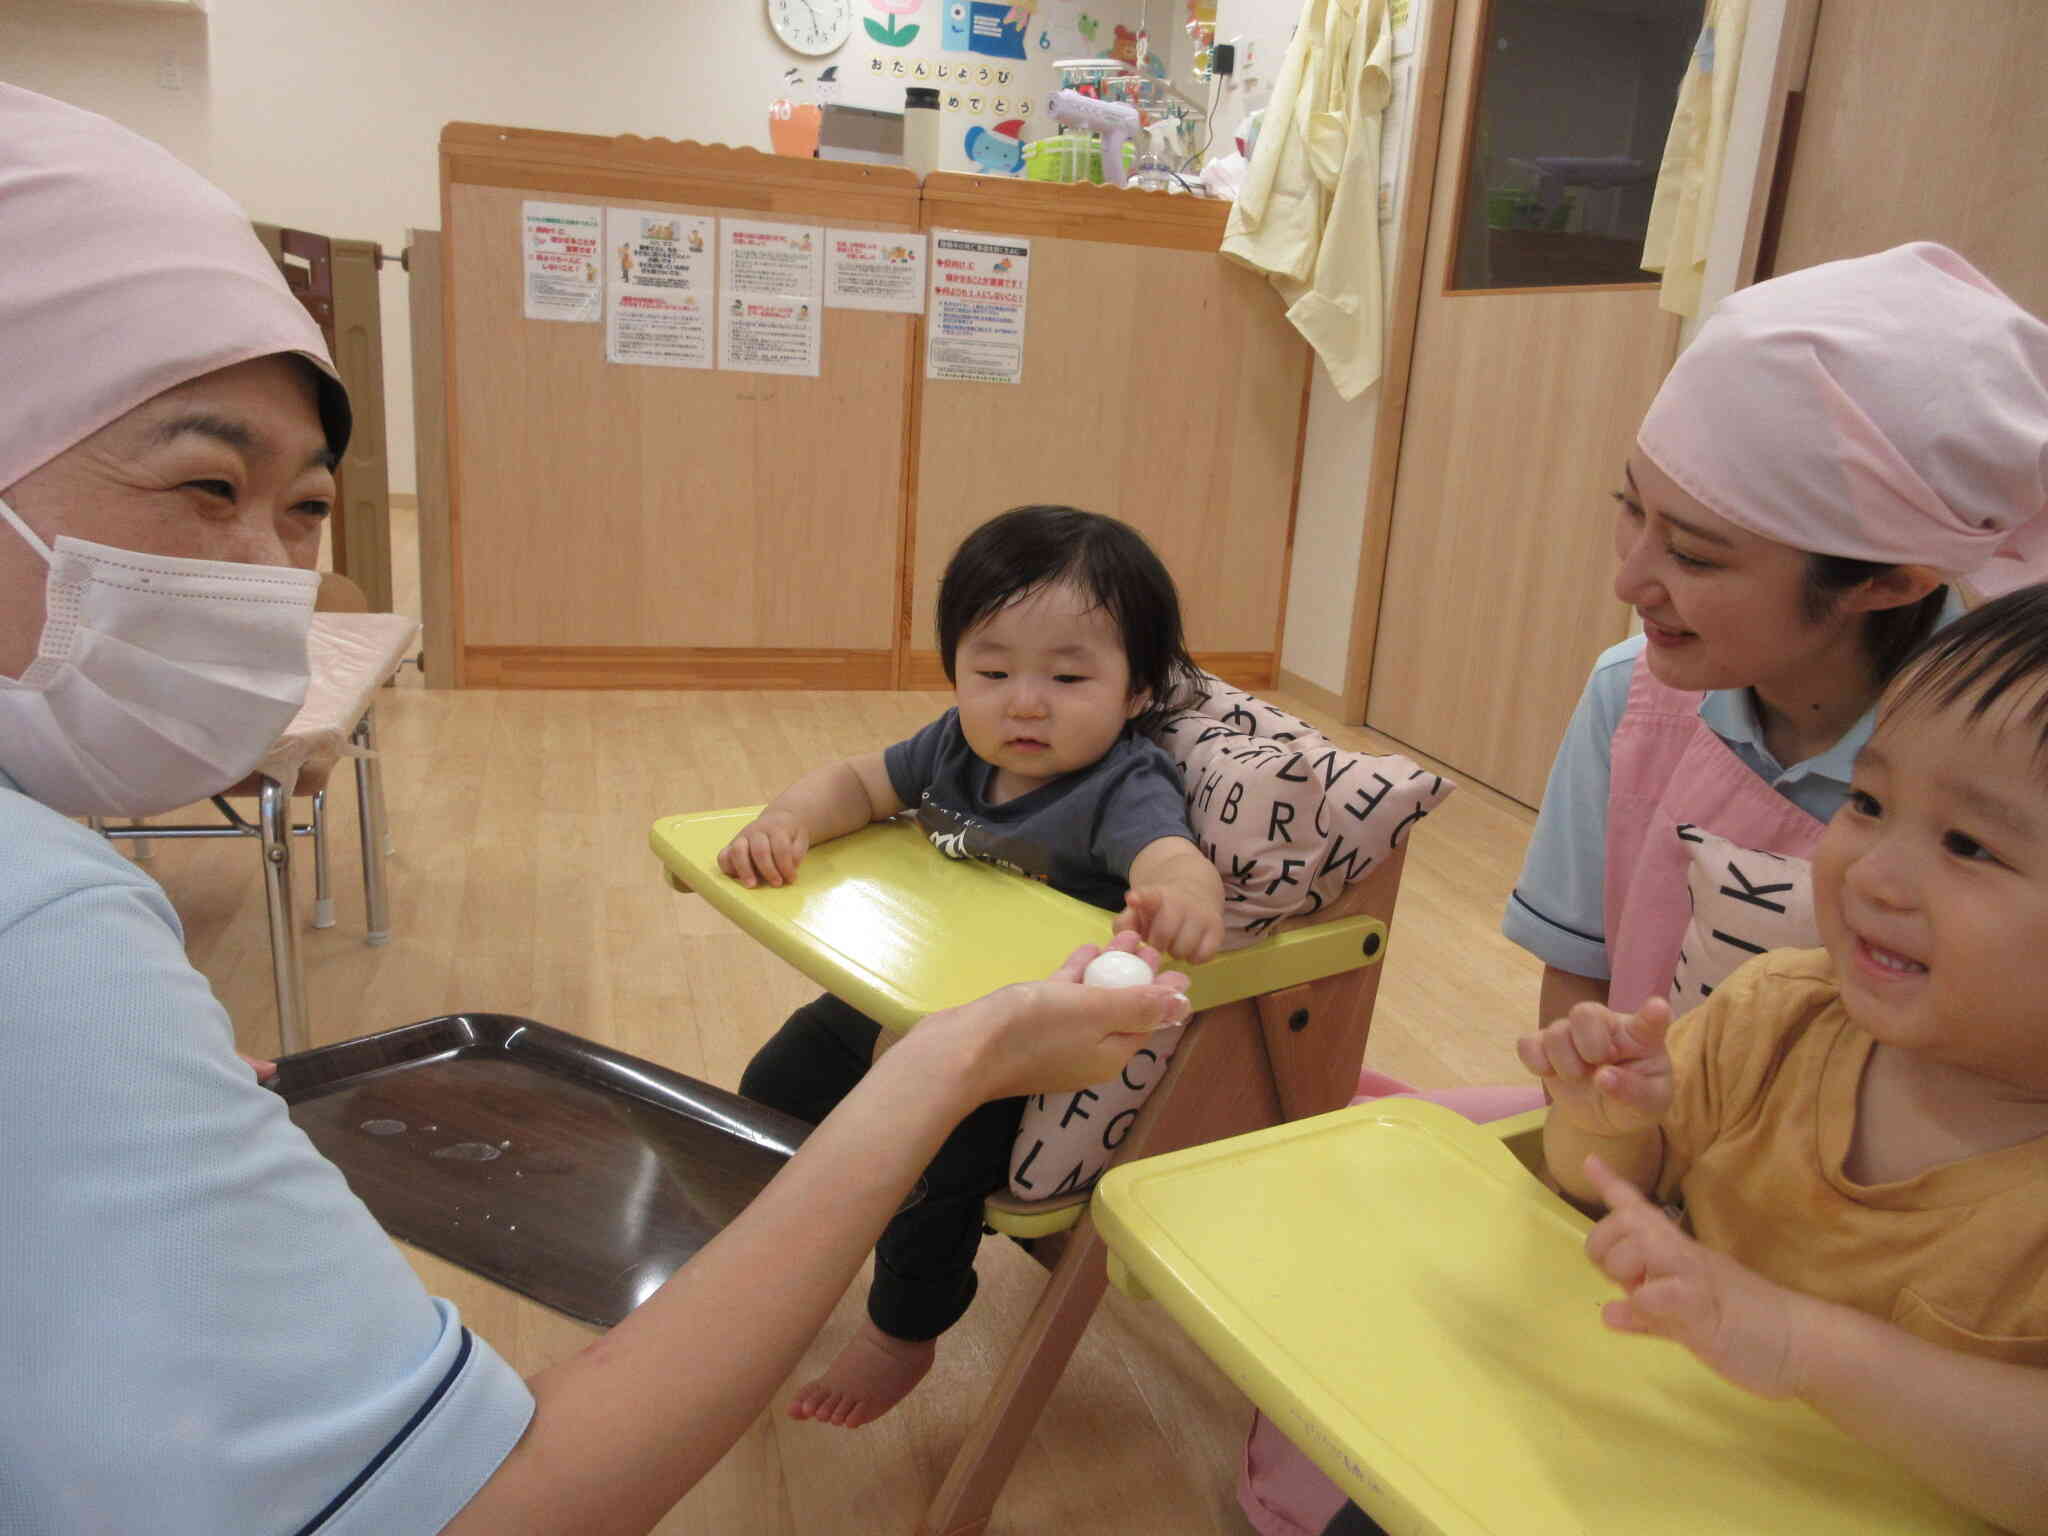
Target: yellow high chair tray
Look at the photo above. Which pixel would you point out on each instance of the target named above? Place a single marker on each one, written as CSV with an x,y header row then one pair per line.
x,y
1417,1313
885,922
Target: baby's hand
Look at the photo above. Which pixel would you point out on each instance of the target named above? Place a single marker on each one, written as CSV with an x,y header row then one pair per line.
x,y
1739,1323
1608,1072
1173,920
768,848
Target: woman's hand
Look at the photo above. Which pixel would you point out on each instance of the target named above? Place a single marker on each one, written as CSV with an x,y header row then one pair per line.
x,y
1055,1035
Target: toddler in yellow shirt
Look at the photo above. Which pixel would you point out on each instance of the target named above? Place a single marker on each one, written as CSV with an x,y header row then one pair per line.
x,y
1858,1135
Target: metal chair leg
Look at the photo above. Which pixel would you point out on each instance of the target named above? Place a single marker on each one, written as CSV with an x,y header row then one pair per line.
x,y
274,816
323,880
370,825
377,782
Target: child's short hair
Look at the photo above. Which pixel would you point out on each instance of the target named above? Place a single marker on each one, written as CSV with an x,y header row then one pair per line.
x,y
1986,654
1019,551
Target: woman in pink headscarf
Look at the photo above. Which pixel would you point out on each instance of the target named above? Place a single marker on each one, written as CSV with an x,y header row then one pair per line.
x,y
1843,459
204,1331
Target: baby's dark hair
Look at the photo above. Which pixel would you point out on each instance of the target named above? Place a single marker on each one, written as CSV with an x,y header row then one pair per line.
x,y
1019,551
1998,649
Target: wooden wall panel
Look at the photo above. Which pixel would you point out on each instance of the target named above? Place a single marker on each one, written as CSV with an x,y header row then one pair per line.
x,y
1162,385
685,519
430,452
649,527
1925,123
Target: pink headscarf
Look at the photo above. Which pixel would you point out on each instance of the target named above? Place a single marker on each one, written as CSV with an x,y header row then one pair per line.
x,y
1890,408
122,274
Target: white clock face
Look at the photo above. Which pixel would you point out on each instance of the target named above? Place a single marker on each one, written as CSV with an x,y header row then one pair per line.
x,y
812,26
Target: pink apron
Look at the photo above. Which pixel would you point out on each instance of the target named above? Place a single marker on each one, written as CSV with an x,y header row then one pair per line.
x,y
1668,768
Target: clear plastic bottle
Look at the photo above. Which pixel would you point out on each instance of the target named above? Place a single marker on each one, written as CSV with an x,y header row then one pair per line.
x,y
921,129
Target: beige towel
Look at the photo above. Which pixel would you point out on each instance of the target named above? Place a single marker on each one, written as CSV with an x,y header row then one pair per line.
x,y
1682,217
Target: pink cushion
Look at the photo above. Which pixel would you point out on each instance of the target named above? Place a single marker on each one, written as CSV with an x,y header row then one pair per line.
x,y
1743,902
1289,819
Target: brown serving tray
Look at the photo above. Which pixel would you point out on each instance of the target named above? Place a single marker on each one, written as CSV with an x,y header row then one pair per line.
x,y
577,1175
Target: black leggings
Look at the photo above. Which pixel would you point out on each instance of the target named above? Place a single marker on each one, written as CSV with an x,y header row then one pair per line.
x,y
1352,1521
924,1263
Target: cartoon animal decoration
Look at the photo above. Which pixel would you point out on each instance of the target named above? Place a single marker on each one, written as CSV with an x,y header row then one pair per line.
x,y
1126,45
1087,26
997,151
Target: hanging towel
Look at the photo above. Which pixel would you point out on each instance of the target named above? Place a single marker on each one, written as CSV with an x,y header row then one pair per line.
x,y
1308,215
1682,217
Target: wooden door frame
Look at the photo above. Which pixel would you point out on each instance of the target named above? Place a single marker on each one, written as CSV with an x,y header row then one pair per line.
x,y
1432,76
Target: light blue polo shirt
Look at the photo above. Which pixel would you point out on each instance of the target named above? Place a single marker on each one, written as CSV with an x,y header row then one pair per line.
x,y
202,1331
1557,911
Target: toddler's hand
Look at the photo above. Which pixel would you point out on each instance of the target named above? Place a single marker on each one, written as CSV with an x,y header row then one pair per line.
x,y
768,848
1171,920
1607,1072
1739,1323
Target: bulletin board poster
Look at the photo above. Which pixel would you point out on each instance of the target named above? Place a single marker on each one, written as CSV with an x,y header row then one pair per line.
x,y
977,325
874,269
661,285
771,297
559,242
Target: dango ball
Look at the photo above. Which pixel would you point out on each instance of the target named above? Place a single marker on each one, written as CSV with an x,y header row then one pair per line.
x,y
1117,968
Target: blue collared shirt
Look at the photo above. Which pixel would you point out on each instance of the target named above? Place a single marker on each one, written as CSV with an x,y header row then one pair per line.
x,y
205,1331
1558,909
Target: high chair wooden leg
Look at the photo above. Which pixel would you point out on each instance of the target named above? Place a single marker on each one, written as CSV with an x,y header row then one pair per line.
x,y
1315,1039
968,1496
1219,1083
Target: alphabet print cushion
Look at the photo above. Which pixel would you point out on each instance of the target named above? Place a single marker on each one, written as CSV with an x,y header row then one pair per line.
x,y
1289,819
1744,901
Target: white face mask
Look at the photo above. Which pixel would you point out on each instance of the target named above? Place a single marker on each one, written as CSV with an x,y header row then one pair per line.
x,y
158,681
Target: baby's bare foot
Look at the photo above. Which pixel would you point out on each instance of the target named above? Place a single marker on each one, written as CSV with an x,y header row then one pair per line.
x,y
873,1374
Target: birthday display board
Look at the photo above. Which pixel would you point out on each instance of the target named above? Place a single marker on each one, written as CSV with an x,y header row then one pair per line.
x,y
990,62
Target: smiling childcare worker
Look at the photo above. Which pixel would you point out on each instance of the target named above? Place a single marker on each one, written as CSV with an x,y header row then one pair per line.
x,y
201,1330
1833,453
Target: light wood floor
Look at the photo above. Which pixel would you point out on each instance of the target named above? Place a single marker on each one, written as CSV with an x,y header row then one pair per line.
x,y
522,883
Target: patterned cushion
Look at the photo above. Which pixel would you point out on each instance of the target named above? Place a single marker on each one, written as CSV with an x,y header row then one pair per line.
x,y
1744,901
1290,819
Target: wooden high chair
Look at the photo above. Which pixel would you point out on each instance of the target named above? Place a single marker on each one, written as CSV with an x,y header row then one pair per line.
x,y
1418,1315
885,922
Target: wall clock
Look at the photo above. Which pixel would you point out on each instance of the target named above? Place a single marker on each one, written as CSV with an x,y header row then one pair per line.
x,y
812,26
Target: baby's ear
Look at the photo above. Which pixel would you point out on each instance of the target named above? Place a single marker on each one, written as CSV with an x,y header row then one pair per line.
x,y
1141,700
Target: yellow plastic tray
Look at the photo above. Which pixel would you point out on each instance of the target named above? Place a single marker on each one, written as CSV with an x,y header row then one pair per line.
x,y
1396,1292
883,920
